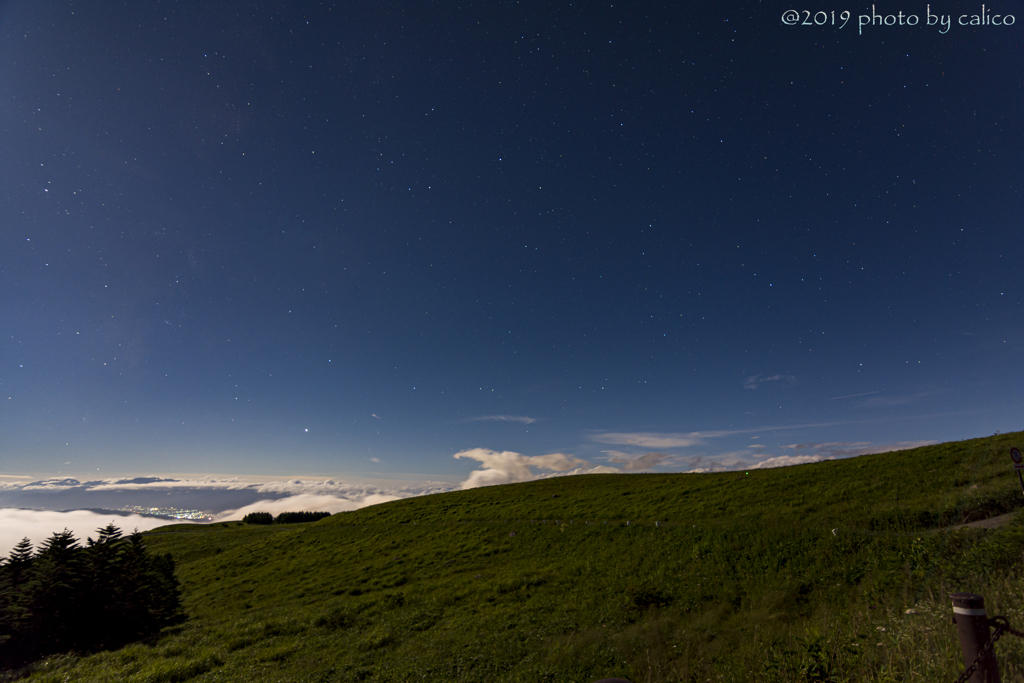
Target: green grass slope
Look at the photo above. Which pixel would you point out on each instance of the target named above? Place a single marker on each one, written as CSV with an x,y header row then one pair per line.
x,y
800,573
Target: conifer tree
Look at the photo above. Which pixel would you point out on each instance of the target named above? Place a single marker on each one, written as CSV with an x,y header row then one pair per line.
x,y
258,518
67,597
21,556
55,592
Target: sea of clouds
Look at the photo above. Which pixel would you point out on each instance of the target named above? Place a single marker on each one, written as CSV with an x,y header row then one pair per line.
x,y
35,509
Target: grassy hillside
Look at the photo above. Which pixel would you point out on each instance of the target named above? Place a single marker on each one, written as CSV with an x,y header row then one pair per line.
x,y
801,573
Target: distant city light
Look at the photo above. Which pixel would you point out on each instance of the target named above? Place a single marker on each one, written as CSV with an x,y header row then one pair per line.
x,y
177,513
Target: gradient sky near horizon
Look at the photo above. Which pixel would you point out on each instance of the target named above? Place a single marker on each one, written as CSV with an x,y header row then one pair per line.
x,y
357,239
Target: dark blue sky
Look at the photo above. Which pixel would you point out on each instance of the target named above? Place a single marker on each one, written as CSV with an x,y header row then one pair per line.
x,y
355,239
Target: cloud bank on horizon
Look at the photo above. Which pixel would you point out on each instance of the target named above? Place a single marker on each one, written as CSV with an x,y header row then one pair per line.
x,y
231,498
84,506
674,451
506,467
222,497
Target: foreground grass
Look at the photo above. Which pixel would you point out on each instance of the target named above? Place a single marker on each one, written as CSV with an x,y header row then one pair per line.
x,y
802,573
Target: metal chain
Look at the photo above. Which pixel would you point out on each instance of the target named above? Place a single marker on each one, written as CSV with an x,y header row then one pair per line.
x,y
1002,625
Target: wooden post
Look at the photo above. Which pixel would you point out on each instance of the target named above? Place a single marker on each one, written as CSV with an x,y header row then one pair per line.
x,y
971,621
1018,464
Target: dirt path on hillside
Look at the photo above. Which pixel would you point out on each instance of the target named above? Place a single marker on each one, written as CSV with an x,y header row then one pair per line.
x,y
990,523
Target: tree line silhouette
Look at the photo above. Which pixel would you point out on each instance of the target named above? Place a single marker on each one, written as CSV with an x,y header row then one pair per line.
x,y
284,517
66,597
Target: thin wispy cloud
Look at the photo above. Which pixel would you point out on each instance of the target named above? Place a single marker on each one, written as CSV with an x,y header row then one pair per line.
x,y
804,453
830,446
717,462
895,400
656,440
866,393
849,449
650,439
755,381
637,463
521,419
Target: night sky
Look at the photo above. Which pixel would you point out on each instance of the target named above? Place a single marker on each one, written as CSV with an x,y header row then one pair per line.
x,y
357,239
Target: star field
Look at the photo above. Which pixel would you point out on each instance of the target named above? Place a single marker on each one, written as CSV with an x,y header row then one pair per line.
x,y
356,239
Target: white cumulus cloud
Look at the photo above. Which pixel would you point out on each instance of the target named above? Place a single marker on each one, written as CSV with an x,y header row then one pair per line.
x,y
506,467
